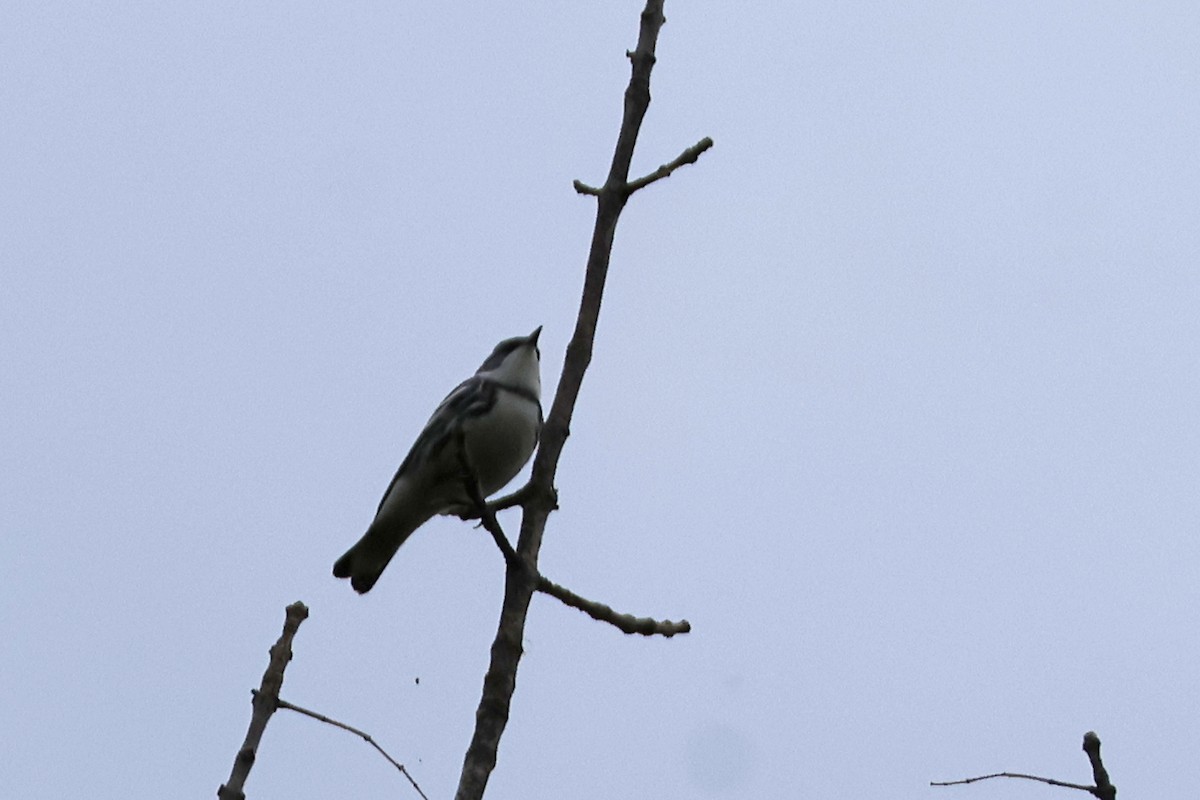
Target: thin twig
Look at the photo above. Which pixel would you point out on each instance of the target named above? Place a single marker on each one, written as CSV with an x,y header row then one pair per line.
x,y
597,611
1103,790
623,622
1037,778
583,188
264,703
688,156
626,623
366,737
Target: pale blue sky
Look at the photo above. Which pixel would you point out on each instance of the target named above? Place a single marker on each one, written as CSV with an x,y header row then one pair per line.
x,y
894,397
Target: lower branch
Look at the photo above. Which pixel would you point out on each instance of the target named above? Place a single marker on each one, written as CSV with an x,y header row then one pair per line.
x,y
519,567
1037,778
366,737
265,701
1103,789
624,622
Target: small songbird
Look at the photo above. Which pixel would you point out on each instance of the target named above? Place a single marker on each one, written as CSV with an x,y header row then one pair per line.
x,y
496,415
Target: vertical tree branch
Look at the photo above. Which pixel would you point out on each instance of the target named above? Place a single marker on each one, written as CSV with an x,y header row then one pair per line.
x,y
500,681
1103,789
265,701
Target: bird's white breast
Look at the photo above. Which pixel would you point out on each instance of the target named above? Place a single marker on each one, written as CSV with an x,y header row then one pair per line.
x,y
502,440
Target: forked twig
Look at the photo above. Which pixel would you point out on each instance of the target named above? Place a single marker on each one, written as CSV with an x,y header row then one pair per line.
x,y
627,623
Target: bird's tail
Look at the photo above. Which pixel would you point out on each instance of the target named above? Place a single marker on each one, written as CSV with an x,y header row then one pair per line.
x,y
366,560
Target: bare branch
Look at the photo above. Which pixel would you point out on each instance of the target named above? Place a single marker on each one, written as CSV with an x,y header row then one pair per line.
x,y
1103,790
583,188
500,680
1049,781
598,611
518,498
498,686
688,156
366,737
523,495
264,703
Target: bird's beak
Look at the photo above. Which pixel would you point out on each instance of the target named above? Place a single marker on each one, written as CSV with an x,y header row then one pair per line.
x,y
533,337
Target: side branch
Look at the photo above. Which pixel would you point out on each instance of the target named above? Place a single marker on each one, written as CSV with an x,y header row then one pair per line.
x,y
1037,778
366,737
688,156
1102,790
626,623
266,700
520,497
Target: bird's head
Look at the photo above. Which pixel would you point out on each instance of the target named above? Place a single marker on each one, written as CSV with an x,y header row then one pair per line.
x,y
516,362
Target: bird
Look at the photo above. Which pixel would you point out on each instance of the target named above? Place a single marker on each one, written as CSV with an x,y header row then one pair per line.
x,y
495,416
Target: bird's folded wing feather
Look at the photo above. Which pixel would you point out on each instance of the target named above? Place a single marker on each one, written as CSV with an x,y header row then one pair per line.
x,y
472,397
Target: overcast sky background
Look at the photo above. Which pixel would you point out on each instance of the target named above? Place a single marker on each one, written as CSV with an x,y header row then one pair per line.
x,y
894,395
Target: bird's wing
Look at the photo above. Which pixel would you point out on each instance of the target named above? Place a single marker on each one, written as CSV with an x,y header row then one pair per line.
x,y
472,397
